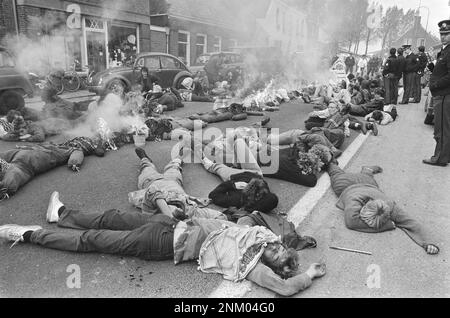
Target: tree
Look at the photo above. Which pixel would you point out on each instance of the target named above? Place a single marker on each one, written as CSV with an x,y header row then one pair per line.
x,y
159,6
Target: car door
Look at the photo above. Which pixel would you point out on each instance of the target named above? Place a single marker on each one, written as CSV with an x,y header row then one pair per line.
x,y
170,67
153,64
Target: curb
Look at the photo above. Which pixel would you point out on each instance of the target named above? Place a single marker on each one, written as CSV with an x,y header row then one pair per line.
x,y
301,210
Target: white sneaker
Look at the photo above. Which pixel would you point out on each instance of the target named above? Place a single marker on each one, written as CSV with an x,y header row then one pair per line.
x,y
53,207
14,233
207,163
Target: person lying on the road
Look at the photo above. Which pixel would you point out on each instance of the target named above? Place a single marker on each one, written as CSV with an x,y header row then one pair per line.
x,y
37,131
289,166
164,193
337,117
241,188
385,117
19,166
367,209
377,103
234,251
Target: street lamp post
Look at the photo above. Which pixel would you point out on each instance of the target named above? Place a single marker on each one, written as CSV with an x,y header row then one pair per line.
x,y
428,17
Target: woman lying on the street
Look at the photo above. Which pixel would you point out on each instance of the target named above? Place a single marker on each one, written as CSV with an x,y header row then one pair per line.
x,y
293,164
234,251
18,166
367,209
241,188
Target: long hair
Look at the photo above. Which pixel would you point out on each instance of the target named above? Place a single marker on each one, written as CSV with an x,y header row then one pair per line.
x,y
256,189
288,267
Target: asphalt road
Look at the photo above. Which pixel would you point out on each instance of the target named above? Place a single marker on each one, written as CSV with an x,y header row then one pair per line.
x,y
104,183
398,267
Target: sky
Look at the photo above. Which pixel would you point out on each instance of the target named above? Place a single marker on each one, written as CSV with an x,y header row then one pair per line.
x,y
439,10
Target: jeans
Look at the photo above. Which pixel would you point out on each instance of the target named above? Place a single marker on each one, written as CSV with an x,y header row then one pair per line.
x,y
112,232
171,180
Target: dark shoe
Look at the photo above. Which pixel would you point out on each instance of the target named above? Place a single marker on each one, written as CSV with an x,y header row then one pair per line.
x,y
141,153
363,128
265,121
434,163
373,127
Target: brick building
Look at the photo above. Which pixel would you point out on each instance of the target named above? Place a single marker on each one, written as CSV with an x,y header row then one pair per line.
x,y
101,33
192,27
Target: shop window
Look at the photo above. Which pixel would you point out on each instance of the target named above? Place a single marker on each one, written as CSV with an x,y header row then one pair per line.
x,y
184,47
420,42
217,46
200,45
94,24
122,45
169,63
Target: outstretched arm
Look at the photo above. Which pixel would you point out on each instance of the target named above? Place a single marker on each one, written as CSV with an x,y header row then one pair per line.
x,y
265,277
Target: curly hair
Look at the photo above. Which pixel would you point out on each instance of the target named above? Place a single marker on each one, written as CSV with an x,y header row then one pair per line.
x,y
285,269
256,189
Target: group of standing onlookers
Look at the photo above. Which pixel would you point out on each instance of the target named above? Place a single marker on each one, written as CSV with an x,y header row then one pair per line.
x,y
364,66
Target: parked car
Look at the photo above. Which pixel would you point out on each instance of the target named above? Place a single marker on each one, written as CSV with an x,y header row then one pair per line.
x,y
232,61
167,68
14,85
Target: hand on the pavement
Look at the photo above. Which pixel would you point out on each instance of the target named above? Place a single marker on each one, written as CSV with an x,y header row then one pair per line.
x,y
432,249
316,270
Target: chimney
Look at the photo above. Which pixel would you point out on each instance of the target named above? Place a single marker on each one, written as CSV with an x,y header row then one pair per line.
x,y
417,20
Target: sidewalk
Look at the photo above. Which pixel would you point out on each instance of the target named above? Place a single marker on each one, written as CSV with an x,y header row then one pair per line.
x,y
405,269
77,96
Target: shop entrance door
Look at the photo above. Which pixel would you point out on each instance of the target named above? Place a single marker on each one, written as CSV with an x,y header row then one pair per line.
x,y
96,36
96,50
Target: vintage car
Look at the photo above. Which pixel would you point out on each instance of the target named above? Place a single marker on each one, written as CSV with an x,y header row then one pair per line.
x,y
169,70
14,85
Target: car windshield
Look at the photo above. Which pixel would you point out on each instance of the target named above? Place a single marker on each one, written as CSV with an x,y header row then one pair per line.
x,y
6,60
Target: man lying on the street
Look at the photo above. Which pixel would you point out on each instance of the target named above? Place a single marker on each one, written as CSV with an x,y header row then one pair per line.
x,y
18,166
367,209
237,252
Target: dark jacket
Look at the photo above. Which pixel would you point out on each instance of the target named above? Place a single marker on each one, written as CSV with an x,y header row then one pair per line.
x,y
356,196
412,63
350,61
401,66
288,170
391,66
440,78
226,195
423,62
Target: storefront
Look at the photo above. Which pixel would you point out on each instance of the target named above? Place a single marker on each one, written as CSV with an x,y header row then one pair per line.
x,y
109,43
87,31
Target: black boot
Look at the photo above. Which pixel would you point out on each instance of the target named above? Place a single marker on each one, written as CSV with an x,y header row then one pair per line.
x,y
373,127
142,154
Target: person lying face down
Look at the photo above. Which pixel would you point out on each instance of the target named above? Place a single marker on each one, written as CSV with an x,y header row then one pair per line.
x,y
367,209
234,251
22,164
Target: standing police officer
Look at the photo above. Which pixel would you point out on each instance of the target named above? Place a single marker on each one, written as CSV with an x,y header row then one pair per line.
x,y
390,71
409,75
440,89
423,61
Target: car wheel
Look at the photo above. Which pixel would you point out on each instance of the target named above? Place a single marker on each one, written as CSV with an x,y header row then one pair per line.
x,y
10,100
116,86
